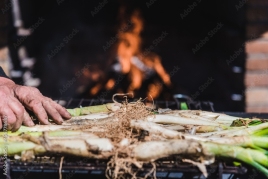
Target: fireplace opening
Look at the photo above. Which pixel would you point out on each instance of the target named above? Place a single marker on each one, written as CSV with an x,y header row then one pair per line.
x,y
154,49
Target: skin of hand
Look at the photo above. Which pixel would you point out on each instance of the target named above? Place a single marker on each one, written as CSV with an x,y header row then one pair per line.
x,y
15,98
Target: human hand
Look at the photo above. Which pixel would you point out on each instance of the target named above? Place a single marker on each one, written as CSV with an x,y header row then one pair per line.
x,y
16,97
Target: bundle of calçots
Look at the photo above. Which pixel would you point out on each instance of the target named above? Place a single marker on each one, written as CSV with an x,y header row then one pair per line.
x,y
110,131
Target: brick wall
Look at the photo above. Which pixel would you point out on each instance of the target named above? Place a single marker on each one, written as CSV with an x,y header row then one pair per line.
x,y
256,76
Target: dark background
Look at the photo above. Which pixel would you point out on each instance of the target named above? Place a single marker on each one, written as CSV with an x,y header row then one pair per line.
x,y
210,62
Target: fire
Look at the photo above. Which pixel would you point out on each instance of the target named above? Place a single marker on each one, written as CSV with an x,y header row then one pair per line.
x,y
137,64
133,62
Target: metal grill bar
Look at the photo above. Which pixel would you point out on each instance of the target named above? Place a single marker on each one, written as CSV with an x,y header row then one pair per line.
x,y
166,168
173,104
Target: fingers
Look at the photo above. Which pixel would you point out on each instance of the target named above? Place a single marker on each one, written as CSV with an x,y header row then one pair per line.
x,y
53,113
63,112
36,106
11,110
12,113
13,116
41,105
27,121
46,107
8,118
18,110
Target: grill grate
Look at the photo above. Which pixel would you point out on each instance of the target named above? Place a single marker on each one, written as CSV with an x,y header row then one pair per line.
x,y
73,167
172,104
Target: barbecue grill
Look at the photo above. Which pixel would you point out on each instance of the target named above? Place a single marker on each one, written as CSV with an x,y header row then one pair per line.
x,y
171,167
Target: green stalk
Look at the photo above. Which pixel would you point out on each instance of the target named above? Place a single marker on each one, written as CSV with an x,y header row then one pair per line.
x,y
250,130
36,129
252,157
76,143
255,142
91,109
59,133
263,132
11,148
260,141
9,133
223,132
246,122
258,130
204,129
153,150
